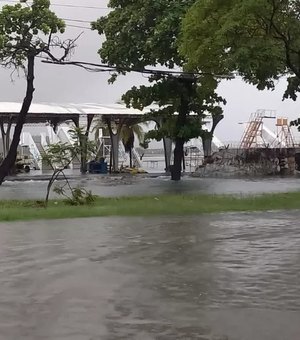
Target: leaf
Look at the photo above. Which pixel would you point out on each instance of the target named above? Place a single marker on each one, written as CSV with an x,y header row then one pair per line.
x,y
257,39
21,28
144,33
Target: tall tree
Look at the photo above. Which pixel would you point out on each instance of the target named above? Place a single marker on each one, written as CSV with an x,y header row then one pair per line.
x,y
144,33
128,134
26,31
258,39
192,99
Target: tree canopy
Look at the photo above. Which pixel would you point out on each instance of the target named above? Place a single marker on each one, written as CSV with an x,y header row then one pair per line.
x,y
166,93
21,30
258,39
144,33
140,33
25,32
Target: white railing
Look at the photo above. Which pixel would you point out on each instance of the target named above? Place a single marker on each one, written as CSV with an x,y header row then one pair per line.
x,y
122,154
44,142
105,147
64,136
53,138
27,140
136,158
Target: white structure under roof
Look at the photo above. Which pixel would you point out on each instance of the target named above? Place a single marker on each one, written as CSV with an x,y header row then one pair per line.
x,y
52,115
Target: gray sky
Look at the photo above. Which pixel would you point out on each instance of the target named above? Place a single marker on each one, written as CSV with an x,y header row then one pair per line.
x,y
70,84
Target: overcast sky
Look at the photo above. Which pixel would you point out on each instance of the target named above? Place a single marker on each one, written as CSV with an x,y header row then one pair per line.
x,y
58,84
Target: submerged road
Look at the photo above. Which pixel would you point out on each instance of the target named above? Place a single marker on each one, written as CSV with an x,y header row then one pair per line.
x,y
111,186
229,276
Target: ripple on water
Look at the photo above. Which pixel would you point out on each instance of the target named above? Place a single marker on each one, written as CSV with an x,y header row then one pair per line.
x,y
232,276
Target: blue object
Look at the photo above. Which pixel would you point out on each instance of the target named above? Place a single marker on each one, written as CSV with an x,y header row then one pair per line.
x,y
97,167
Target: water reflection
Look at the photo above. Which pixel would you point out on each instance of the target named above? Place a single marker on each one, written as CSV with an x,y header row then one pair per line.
x,y
231,276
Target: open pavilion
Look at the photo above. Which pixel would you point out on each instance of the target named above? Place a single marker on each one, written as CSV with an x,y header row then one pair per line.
x,y
54,114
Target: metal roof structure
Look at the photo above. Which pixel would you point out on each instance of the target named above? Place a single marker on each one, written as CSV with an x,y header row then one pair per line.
x,y
43,112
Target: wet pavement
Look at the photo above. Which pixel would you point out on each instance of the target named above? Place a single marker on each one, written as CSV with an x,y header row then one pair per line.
x,y
111,186
229,276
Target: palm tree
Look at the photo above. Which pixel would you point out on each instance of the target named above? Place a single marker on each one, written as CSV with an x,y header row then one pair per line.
x,y
128,134
127,131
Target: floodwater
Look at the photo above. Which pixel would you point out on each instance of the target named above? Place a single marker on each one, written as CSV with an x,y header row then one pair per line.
x,y
229,276
111,186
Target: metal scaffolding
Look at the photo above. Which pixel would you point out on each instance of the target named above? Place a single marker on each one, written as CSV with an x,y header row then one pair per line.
x,y
253,134
284,134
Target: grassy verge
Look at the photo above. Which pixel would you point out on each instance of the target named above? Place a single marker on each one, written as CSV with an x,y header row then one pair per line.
x,y
149,206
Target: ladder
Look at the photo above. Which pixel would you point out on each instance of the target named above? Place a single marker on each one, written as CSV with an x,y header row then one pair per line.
x,y
252,131
284,134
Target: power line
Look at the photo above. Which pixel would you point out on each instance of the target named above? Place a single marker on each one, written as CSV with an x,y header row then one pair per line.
x,y
71,24
169,73
63,5
67,19
78,26
77,20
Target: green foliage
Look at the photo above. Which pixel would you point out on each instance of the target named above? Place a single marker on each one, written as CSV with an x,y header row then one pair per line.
x,y
191,129
81,143
145,32
163,205
26,31
128,133
21,29
296,123
75,196
258,39
129,130
142,32
59,156
145,142
167,93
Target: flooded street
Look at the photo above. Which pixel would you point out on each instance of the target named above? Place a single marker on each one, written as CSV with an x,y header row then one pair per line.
x,y
229,276
111,186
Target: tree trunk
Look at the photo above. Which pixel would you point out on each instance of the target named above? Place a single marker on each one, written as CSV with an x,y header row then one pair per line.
x,y
7,137
207,146
115,140
3,135
179,142
83,153
110,160
168,152
10,159
208,137
114,148
83,147
178,153
130,158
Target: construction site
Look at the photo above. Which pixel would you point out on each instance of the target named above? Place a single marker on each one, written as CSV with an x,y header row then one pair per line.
x,y
260,151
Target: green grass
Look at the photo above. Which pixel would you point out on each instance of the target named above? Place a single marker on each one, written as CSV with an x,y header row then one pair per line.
x,y
149,206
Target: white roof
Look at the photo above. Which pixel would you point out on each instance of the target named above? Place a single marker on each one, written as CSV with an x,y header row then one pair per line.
x,y
84,109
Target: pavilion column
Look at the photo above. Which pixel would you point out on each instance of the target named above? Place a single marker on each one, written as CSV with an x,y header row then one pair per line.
x,y
168,152
54,122
84,145
115,140
167,143
5,134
